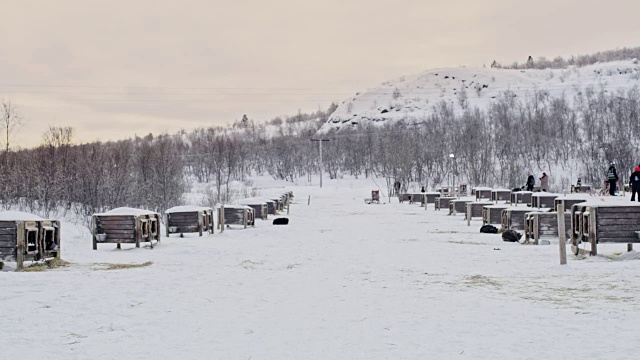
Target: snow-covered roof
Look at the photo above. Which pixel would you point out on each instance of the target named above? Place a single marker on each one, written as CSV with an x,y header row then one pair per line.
x,y
501,190
252,201
528,209
498,206
482,188
575,196
186,208
545,194
226,206
127,211
610,201
18,215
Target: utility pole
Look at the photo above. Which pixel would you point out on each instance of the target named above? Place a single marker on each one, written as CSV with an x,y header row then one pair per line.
x,y
453,175
320,141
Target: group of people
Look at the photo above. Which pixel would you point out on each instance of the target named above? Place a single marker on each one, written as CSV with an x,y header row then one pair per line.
x,y
634,181
544,182
612,181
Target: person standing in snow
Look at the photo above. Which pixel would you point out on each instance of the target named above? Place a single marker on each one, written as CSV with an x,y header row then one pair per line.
x,y
634,183
531,181
544,182
612,177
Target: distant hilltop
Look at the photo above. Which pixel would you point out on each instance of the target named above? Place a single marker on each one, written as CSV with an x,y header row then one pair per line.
x,y
412,98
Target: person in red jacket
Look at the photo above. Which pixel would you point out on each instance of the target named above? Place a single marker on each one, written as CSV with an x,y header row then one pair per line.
x,y
634,183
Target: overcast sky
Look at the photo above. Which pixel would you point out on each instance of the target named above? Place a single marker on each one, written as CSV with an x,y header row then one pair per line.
x,y
113,69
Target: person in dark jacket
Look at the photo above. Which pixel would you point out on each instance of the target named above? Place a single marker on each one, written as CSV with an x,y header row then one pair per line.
x,y
531,181
634,183
612,178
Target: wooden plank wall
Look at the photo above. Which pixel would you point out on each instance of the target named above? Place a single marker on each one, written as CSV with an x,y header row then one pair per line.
x,y
459,206
443,202
500,195
186,222
492,215
235,216
544,202
617,224
431,198
513,219
540,224
271,207
259,210
568,203
520,198
8,240
119,229
416,198
474,209
483,194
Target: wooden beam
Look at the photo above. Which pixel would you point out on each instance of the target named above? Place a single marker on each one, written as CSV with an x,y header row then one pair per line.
x,y
20,245
592,231
562,233
94,229
138,232
536,229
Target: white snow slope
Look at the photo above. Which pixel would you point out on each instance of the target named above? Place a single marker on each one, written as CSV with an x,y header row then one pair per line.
x,y
416,95
344,280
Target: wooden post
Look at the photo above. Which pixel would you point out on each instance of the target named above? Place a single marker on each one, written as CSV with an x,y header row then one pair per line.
x,y
20,234
629,247
309,200
245,217
288,208
469,206
57,239
536,229
138,231
94,229
200,222
167,223
118,246
592,231
222,218
562,235
158,232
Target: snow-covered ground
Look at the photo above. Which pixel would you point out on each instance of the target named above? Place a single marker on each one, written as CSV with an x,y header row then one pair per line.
x,y
344,280
412,98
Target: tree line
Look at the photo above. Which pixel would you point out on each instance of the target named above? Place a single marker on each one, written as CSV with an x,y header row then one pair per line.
x,y
495,146
559,62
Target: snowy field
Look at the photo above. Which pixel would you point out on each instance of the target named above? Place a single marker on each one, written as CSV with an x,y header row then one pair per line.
x,y
344,280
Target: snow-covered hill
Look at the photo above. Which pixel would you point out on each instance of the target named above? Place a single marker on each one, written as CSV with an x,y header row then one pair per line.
x,y
411,98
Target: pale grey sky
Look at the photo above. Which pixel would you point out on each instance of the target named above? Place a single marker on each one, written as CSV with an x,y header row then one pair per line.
x,y
113,69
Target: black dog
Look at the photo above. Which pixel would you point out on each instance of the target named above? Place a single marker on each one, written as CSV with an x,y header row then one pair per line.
x,y
489,229
511,236
281,221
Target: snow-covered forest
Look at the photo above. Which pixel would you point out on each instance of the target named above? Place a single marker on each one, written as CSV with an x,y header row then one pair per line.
x,y
566,135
